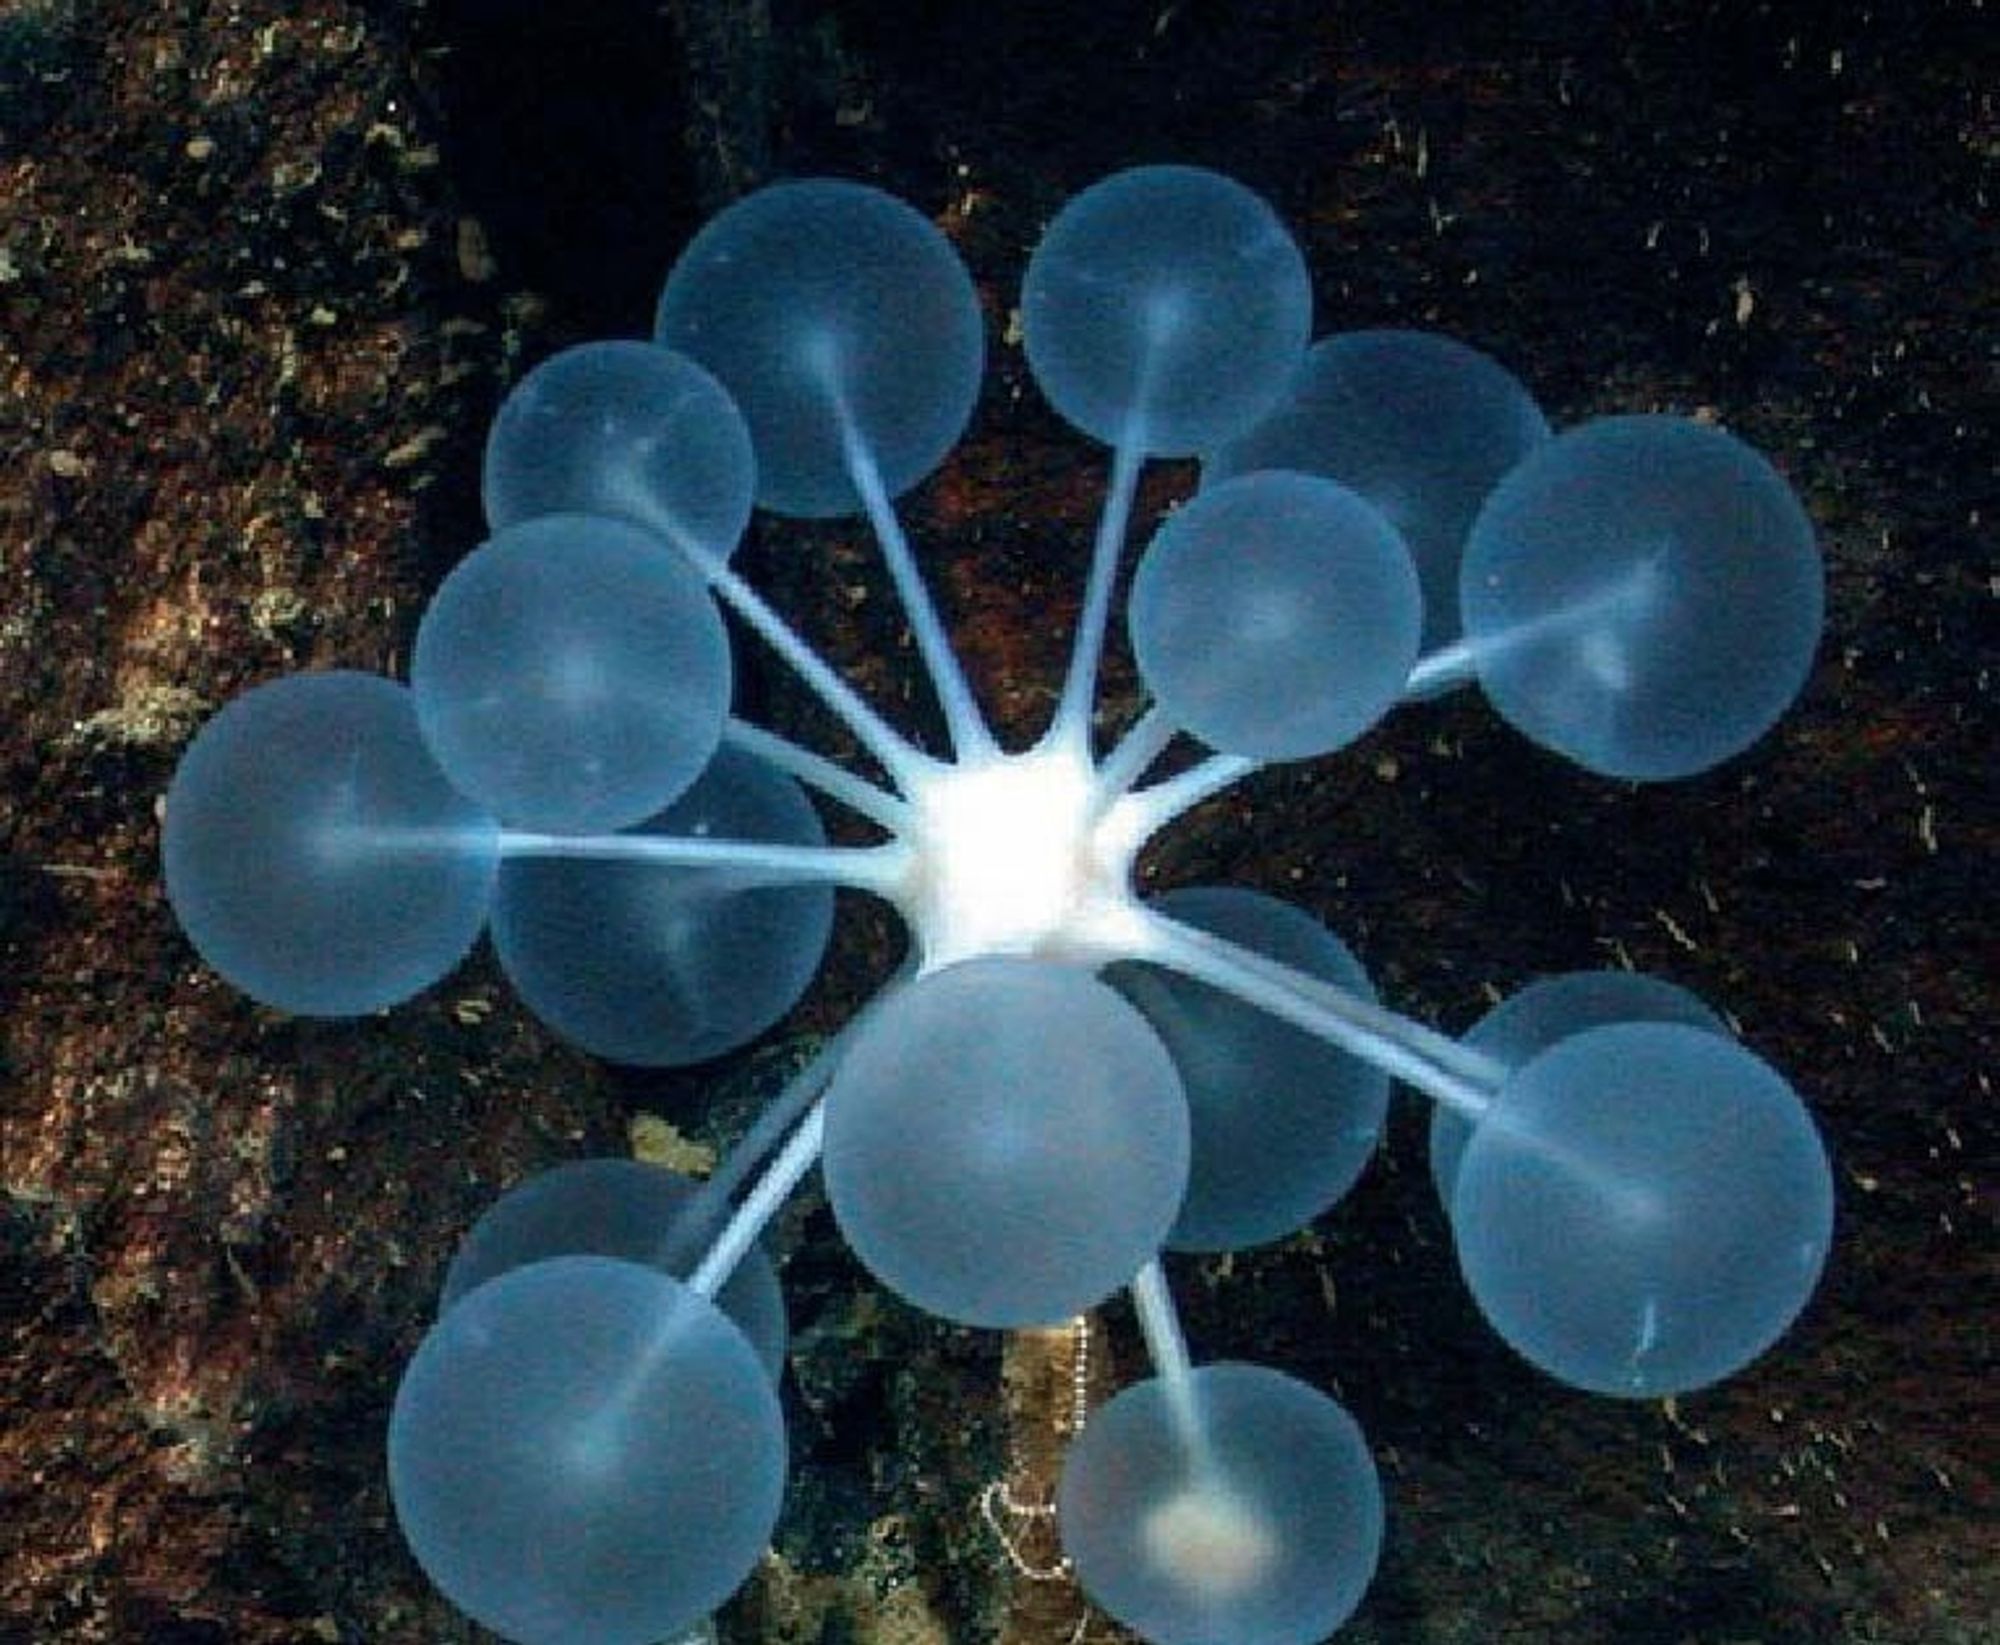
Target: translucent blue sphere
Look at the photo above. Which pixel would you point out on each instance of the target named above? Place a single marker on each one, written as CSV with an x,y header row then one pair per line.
x,y
830,310
1643,595
1281,1123
1276,616
622,1208
315,854
1528,1022
625,429
1644,1209
1248,1511
1166,309
1006,1142
1420,425
572,674
585,1449
663,966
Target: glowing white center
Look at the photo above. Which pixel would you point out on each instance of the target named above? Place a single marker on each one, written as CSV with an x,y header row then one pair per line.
x,y
1212,1541
1009,860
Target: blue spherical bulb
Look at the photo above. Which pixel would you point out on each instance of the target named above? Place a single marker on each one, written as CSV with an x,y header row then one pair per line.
x,y
572,674
1006,1142
837,317
586,1449
625,429
1643,595
1281,1123
1549,1009
1276,616
1420,425
658,965
315,854
624,1208
1166,308
1238,1505
1643,1209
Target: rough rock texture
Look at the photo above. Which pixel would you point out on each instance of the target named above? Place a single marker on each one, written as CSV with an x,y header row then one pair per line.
x,y
264,268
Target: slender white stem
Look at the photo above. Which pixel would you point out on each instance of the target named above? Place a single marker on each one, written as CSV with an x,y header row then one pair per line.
x,y
817,771
877,868
737,1236
1435,1063
707,1210
1160,1324
902,759
800,1091
1143,743
1614,615
798,1156
1166,1346
898,756
1465,1080
1445,669
1072,721
1159,805
967,728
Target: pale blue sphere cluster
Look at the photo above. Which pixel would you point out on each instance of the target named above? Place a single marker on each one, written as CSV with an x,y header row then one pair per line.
x,y
1065,1080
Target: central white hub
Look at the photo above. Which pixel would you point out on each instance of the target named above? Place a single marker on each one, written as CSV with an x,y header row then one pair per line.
x,y
1008,856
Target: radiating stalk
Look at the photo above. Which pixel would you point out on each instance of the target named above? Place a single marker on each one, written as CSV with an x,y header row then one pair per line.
x,y
817,771
1143,743
1155,807
799,1155
1072,719
876,868
1434,1063
970,737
